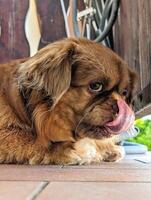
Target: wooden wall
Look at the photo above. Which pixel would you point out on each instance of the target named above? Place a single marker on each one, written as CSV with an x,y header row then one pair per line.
x,y
13,14
132,41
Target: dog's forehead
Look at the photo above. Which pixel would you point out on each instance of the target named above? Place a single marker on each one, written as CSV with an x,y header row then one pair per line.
x,y
105,56
95,62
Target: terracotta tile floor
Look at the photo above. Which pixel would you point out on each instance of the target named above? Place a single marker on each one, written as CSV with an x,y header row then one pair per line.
x,y
129,179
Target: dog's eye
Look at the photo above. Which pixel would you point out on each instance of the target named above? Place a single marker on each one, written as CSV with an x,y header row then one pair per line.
x,y
125,92
96,86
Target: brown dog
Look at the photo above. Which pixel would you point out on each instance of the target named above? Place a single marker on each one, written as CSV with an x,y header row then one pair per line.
x,y
65,104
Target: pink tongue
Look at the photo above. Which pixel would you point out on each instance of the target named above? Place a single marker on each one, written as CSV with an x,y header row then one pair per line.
x,y
124,120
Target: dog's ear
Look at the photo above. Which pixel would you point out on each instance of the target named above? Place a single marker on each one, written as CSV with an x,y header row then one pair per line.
x,y
49,69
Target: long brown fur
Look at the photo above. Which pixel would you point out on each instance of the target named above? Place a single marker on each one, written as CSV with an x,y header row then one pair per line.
x,y
47,113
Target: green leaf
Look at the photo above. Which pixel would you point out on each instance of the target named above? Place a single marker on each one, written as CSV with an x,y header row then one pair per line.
x,y
144,136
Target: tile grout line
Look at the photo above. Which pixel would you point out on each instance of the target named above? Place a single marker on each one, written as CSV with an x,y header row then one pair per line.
x,y
37,191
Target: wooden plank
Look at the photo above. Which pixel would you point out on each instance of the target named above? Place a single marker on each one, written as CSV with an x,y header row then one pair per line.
x,y
143,98
17,189
96,191
52,21
46,173
144,28
144,111
13,43
126,36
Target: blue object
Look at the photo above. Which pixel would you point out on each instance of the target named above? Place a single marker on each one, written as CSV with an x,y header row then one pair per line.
x,y
130,147
134,148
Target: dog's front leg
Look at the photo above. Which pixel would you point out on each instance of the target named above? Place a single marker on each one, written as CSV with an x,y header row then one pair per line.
x,y
22,148
19,147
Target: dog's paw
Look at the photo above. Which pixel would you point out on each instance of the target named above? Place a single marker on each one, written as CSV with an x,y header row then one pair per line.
x,y
114,155
72,159
87,151
83,158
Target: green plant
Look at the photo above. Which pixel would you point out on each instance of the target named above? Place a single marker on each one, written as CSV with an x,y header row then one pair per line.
x,y
144,137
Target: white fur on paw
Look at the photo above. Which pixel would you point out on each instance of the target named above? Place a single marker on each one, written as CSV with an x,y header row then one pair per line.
x,y
114,155
122,152
74,159
86,149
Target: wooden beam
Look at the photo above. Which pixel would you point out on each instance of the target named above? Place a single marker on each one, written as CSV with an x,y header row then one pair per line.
x,y
144,111
143,98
